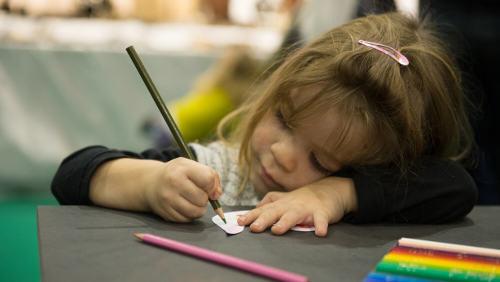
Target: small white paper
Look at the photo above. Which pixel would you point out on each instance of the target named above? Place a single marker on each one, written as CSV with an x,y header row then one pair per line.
x,y
232,226
303,228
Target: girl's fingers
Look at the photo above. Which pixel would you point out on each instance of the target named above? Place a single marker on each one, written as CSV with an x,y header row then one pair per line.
x,y
170,214
203,177
320,224
217,189
249,217
194,194
265,219
186,209
258,219
282,213
288,220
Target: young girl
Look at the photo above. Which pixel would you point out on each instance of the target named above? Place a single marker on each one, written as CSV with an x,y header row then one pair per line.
x,y
364,124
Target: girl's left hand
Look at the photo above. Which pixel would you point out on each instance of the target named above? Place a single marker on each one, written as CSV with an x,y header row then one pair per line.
x,y
320,203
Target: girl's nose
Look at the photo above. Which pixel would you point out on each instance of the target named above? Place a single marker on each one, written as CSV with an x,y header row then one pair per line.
x,y
285,154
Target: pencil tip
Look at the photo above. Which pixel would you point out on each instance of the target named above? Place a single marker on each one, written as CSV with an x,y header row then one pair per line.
x,y
220,213
139,235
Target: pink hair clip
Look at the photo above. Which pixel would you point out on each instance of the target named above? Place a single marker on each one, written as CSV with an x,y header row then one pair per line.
x,y
389,51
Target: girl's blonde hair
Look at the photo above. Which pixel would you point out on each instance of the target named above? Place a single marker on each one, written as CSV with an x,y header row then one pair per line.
x,y
404,111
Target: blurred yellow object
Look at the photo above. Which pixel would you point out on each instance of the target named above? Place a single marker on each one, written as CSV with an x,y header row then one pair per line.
x,y
166,10
198,113
215,94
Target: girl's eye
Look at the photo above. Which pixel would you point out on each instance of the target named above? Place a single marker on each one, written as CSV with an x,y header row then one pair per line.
x,y
279,116
318,165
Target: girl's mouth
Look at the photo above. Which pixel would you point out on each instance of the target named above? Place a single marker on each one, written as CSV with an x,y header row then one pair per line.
x,y
268,179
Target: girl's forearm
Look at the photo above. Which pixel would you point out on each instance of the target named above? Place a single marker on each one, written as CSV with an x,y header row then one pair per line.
x,y
122,183
347,192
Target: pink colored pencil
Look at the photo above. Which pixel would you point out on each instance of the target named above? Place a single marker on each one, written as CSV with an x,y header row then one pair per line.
x,y
245,265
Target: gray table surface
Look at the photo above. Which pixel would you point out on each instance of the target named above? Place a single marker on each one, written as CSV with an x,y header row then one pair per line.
x,y
83,243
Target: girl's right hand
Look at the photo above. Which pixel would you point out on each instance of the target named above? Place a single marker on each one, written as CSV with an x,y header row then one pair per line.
x,y
181,189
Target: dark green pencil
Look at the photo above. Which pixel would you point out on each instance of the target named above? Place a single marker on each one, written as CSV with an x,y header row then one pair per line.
x,y
167,117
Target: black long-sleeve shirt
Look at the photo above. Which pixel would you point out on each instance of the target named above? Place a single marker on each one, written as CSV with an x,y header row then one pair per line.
x,y
432,191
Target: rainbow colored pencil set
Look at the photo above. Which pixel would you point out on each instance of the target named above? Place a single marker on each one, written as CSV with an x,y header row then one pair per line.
x,y
433,263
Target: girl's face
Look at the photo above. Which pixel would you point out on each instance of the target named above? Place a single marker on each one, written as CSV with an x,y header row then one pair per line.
x,y
285,158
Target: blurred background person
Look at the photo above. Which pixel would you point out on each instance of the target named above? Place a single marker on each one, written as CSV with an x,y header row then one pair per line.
x,y
215,93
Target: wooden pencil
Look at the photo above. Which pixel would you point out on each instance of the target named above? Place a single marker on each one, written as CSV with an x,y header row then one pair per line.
x,y
167,117
457,248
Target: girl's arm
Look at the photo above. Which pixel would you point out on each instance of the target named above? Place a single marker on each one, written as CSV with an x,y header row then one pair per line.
x,y
433,191
176,190
71,183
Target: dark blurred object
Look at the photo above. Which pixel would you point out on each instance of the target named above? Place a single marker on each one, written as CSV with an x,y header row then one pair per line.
x,y
471,29
94,8
366,7
156,130
41,8
61,8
